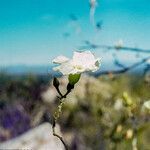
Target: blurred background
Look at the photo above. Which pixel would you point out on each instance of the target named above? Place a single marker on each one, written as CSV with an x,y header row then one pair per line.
x,y
106,109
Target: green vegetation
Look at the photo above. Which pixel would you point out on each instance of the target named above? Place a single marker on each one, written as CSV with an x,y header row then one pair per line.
x,y
101,113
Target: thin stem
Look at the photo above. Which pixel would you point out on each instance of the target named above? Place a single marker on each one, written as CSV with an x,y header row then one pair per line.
x,y
59,91
57,115
58,136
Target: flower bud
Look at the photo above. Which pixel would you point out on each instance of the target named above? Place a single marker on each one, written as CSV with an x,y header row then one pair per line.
x,y
55,82
70,87
119,128
127,100
129,134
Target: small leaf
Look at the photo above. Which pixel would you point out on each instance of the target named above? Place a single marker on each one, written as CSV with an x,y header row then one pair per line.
x,y
74,78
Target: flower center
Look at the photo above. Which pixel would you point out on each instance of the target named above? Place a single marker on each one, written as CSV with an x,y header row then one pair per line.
x,y
78,67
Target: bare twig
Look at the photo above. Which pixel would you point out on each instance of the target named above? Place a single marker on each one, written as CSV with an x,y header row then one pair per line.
x,y
123,70
58,136
123,48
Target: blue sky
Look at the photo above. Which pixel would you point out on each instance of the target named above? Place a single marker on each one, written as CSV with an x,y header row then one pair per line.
x,y
31,31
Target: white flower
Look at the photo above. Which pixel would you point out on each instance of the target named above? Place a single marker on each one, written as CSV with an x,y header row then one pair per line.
x,y
148,61
119,44
147,105
118,104
81,62
93,3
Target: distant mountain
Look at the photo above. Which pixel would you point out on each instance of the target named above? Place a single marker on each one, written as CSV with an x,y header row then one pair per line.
x,y
47,69
35,69
23,69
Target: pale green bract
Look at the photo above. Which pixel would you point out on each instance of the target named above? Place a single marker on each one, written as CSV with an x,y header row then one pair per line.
x,y
147,105
74,78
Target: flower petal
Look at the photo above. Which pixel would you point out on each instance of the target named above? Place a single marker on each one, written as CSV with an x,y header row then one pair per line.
x,y
65,68
60,59
85,59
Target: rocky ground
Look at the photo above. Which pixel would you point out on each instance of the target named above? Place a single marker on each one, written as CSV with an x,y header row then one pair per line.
x,y
39,138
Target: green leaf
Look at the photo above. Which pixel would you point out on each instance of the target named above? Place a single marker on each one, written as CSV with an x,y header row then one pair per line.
x,y
74,78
